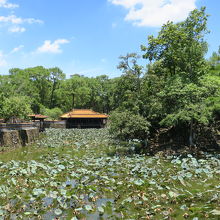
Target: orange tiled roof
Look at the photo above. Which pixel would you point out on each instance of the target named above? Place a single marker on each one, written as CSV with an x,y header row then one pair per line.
x,y
83,113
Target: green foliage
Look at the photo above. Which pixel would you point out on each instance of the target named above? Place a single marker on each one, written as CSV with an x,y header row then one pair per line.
x,y
214,60
53,113
152,84
128,86
127,126
84,92
178,54
179,86
187,101
15,106
211,82
56,75
181,47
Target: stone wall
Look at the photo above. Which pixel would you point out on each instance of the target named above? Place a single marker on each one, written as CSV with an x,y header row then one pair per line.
x,y
55,124
10,138
16,126
18,137
28,135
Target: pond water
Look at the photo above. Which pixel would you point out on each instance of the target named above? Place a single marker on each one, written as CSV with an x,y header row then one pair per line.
x,y
82,174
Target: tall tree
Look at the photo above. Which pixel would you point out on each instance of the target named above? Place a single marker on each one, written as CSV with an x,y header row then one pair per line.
x,y
128,89
180,49
56,75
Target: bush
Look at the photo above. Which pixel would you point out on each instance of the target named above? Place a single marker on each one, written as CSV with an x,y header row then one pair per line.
x,y
127,126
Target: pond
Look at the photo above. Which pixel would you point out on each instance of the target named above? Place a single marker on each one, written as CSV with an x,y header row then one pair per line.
x,y
82,174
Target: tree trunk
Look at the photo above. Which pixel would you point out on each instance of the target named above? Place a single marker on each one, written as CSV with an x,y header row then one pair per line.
x,y
52,94
73,103
191,133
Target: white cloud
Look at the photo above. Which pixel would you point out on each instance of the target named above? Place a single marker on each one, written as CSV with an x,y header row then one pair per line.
x,y
13,19
52,47
3,62
6,4
14,23
154,13
16,49
16,29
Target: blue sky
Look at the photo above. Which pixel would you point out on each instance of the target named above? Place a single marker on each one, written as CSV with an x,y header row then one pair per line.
x,y
88,36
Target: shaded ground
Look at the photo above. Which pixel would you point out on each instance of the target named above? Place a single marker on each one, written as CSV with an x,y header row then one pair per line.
x,y
175,141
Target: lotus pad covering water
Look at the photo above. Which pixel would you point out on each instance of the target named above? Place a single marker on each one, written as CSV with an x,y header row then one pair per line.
x,y
80,174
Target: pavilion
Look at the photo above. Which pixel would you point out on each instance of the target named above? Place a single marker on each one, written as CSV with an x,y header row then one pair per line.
x,y
39,118
84,118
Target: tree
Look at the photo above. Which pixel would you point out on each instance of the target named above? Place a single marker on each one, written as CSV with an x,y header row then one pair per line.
x,y
128,88
100,93
127,126
180,49
211,82
56,75
152,84
215,59
15,106
40,80
53,113
184,105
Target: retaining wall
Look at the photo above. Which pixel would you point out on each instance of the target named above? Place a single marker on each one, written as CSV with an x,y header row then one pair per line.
x,y
55,124
17,135
16,126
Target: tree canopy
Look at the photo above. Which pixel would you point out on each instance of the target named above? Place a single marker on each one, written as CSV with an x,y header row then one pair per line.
x,y
178,86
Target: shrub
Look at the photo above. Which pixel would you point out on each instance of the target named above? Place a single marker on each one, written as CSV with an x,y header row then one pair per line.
x,y
127,126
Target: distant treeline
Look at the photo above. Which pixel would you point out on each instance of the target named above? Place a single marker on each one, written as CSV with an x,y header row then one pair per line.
x,y
178,86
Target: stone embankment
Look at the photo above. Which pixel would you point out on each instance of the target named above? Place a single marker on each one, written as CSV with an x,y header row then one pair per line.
x,y
21,134
54,124
17,135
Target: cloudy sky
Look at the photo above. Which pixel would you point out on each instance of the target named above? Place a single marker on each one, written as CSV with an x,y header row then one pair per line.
x,y
88,36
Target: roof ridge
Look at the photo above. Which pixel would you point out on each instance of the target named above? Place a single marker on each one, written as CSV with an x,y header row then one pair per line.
x,y
83,113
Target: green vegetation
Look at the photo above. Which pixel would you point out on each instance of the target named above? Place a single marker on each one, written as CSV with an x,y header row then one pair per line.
x,y
178,87
53,113
78,174
16,106
96,174
128,126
